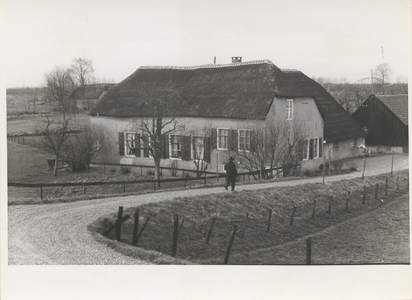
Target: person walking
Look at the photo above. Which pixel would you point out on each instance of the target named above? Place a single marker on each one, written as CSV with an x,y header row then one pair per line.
x,y
231,173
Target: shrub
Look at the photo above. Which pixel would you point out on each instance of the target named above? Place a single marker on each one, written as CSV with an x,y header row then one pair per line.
x,y
150,172
126,170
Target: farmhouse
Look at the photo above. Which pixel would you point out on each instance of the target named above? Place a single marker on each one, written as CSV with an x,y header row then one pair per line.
x,y
92,94
384,118
221,107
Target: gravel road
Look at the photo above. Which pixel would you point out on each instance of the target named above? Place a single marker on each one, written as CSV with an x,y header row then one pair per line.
x,y
56,234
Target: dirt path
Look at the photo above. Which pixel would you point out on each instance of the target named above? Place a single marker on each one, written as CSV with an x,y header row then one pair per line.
x,y
56,234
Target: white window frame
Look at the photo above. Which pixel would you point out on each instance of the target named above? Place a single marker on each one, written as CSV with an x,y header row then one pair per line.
x,y
239,144
307,141
289,109
316,149
218,139
132,141
171,146
192,147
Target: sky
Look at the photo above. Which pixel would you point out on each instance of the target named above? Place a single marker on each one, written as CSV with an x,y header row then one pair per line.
x,y
331,39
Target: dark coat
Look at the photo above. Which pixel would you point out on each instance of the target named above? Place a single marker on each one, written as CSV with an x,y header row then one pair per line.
x,y
231,172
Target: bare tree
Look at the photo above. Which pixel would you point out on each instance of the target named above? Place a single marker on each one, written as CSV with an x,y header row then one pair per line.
x,y
59,85
383,72
82,73
274,144
54,136
162,103
80,148
200,141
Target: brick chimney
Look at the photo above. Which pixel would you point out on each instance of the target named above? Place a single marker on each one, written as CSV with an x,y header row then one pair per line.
x,y
236,59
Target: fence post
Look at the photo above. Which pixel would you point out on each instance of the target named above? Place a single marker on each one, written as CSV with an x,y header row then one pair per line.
x,y
135,227
229,247
124,187
376,191
270,217
104,168
393,154
84,190
364,195
386,188
41,193
330,204
347,200
119,223
293,215
141,170
364,166
309,251
154,185
313,211
397,182
205,178
175,233
210,230
185,181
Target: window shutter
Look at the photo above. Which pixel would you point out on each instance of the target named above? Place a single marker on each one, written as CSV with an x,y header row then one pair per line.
x,y
145,145
186,153
311,145
232,140
206,145
165,145
213,138
320,147
121,143
253,141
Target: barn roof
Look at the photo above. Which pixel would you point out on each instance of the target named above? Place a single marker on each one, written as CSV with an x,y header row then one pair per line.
x,y
398,104
240,90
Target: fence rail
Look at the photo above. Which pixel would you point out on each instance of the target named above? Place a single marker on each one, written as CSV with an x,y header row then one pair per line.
x,y
155,182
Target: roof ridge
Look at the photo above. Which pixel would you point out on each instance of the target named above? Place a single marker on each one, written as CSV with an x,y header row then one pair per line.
x,y
211,66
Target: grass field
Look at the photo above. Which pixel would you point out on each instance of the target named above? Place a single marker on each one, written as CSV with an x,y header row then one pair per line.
x,y
283,243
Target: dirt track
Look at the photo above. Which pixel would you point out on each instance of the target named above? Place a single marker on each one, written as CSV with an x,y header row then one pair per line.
x,y
56,234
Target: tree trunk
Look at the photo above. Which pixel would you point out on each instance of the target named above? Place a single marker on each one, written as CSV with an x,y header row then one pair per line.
x,y
55,165
157,169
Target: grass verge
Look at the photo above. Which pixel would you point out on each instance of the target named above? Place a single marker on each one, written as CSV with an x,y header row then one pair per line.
x,y
254,243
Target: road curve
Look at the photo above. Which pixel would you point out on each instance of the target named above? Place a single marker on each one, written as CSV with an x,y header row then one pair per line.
x,y
56,234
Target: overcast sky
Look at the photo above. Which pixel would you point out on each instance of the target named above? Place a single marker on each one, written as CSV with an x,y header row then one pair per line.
x,y
333,38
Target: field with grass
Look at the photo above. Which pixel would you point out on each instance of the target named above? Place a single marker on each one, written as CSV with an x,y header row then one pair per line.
x,y
336,238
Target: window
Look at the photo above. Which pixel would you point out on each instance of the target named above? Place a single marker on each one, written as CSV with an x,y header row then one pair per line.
x,y
336,146
198,148
289,109
222,136
366,129
311,148
175,146
244,140
130,144
306,149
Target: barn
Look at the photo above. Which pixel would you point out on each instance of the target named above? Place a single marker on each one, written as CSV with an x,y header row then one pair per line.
x,y
384,119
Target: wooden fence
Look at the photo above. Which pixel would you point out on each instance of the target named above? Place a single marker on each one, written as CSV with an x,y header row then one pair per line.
x,y
154,182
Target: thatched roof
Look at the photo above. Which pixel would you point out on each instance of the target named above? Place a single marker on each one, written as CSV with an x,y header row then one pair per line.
x,y
91,91
241,90
398,104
